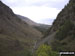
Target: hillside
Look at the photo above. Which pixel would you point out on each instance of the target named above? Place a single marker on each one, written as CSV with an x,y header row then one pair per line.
x,y
19,36
40,27
64,26
28,21
15,35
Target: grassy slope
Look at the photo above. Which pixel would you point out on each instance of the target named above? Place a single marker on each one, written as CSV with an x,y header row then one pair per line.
x,y
15,35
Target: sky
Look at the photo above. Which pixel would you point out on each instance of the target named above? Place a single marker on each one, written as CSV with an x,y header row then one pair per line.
x,y
40,11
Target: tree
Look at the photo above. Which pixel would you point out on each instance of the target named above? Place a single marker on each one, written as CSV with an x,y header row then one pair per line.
x,y
45,50
64,30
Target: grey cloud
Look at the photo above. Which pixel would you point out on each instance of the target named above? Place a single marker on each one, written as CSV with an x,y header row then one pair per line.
x,y
58,5
48,3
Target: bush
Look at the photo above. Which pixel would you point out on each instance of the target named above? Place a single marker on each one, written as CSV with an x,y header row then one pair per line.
x,y
45,50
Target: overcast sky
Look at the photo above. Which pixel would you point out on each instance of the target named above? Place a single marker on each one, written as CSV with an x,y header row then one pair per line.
x,y
40,11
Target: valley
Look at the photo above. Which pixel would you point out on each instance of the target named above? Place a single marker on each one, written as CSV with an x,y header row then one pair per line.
x,y
20,36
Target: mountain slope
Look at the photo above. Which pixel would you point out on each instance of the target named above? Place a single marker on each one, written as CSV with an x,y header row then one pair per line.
x,y
64,26
15,34
40,27
28,21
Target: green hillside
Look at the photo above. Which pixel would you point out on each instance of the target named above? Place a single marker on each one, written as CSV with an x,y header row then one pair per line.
x,y
64,26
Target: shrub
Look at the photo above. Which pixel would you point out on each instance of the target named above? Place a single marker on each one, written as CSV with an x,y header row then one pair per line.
x,y
45,50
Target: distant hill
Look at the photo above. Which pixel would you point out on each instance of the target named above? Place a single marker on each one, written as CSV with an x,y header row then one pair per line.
x,y
41,27
16,36
28,21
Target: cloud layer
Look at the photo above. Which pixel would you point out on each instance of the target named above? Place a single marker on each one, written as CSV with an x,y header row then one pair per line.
x,y
38,10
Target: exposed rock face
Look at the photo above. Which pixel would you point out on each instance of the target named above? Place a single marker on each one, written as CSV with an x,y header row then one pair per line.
x,y
15,34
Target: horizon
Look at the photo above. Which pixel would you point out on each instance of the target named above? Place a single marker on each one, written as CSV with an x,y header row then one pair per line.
x,y
40,11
